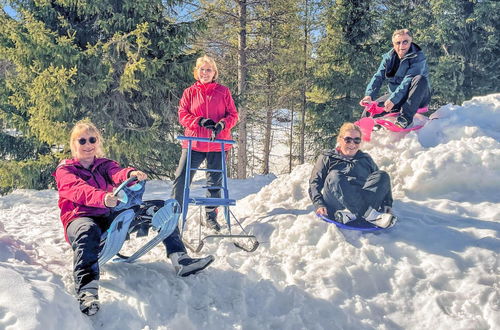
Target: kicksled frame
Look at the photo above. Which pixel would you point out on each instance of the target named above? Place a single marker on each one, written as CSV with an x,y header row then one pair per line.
x,y
196,245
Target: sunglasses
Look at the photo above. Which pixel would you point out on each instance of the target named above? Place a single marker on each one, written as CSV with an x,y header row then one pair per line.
x,y
404,42
91,140
356,140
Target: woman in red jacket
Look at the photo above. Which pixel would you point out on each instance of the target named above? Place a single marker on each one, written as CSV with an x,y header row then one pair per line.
x,y
207,110
85,184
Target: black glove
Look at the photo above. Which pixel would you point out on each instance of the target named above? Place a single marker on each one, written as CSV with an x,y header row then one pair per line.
x,y
207,123
219,127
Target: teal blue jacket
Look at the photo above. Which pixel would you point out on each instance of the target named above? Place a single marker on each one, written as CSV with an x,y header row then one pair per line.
x,y
399,78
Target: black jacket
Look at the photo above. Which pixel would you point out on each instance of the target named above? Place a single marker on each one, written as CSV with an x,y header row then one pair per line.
x,y
356,170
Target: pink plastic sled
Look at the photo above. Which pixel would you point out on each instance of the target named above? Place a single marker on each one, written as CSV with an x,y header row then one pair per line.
x,y
367,123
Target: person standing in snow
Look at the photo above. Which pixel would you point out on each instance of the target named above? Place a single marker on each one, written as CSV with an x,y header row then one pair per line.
x,y
405,68
85,184
206,110
346,183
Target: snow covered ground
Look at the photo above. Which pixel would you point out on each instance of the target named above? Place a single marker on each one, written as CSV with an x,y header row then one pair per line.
x,y
437,268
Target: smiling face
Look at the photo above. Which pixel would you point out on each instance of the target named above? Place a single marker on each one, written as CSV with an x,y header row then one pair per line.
x,y
347,143
81,138
87,151
401,43
206,73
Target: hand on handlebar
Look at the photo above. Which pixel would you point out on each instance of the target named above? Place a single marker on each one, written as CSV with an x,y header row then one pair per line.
x,y
141,176
110,200
365,101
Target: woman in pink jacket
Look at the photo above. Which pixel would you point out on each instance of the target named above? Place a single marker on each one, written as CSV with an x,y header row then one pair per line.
x,y
85,184
207,110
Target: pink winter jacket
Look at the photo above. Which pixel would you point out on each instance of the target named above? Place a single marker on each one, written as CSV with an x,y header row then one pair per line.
x,y
81,190
212,101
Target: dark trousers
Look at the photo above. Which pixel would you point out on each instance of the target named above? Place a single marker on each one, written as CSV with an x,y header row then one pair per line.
x,y
341,193
214,161
84,235
418,96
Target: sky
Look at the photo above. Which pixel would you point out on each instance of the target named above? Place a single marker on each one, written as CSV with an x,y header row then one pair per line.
x,y
437,268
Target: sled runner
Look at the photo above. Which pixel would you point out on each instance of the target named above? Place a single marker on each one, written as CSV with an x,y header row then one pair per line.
x,y
245,241
369,119
359,224
163,221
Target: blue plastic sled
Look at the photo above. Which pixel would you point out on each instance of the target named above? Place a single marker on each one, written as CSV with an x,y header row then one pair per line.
x,y
360,224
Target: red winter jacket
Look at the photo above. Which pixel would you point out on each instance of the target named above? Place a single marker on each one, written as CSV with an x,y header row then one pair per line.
x,y
212,101
81,190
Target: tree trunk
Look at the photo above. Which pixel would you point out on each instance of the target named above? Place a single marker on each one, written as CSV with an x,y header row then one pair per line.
x,y
302,132
242,76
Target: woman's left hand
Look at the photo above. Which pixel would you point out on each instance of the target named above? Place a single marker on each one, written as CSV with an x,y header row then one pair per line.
x,y
141,176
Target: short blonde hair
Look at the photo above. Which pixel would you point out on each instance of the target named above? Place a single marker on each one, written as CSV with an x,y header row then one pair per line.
x,y
348,127
401,32
81,127
202,60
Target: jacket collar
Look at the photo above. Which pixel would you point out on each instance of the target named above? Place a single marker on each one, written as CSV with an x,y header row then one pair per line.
x,y
76,163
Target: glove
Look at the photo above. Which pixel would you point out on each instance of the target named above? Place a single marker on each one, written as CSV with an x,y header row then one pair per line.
x,y
207,123
219,127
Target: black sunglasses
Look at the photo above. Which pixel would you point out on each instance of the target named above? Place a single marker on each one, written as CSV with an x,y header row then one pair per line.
x,y
356,140
404,42
92,140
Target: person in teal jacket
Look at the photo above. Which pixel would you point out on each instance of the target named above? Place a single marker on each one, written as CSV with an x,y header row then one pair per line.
x,y
405,68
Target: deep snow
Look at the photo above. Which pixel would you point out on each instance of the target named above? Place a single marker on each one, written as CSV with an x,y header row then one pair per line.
x,y
437,268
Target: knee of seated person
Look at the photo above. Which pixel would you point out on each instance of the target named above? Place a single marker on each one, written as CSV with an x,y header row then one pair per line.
x,y
384,176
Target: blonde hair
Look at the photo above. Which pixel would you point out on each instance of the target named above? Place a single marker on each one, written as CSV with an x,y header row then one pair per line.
x,y
81,127
202,60
348,127
401,32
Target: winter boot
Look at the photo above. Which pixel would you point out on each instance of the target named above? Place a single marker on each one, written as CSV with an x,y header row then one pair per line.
x,y
185,266
89,303
382,220
211,220
344,216
402,122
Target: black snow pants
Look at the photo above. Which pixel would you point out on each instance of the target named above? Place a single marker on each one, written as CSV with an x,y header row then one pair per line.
x,y
340,193
418,96
84,235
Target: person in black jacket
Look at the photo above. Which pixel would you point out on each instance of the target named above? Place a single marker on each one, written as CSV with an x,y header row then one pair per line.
x,y
347,184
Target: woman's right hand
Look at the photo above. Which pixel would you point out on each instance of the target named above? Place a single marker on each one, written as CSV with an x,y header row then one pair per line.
x,y
110,200
322,211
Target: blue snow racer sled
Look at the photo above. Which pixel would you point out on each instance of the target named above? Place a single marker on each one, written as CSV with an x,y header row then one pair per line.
x,y
136,216
358,224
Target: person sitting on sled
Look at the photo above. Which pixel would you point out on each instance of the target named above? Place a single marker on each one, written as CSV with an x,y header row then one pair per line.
x,y
405,68
85,184
347,185
206,110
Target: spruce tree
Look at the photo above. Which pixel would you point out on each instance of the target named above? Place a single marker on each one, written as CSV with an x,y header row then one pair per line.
x,y
123,64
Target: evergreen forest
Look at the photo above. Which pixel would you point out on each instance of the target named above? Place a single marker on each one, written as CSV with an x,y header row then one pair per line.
x,y
302,65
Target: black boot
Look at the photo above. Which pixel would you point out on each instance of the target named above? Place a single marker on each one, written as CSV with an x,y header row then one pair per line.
x,y
89,303
211,220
